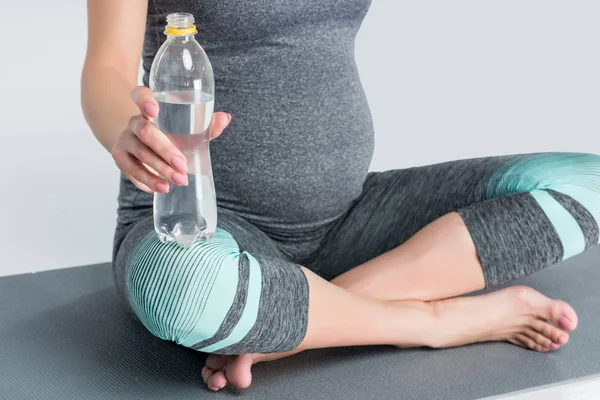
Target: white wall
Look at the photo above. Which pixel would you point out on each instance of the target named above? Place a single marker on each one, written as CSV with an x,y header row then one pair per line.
x,y
445,80
457,79
59,186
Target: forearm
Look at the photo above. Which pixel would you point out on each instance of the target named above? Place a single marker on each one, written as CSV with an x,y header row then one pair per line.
x,y
106,101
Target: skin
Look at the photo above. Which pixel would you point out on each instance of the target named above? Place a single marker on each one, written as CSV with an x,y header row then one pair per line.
x,y
119,113
406,298
403,298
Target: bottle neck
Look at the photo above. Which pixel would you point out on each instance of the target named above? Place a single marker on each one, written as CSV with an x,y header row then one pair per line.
x,y
180,38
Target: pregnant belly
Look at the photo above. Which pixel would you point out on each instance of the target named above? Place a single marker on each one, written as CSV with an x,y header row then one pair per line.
x,y
292,159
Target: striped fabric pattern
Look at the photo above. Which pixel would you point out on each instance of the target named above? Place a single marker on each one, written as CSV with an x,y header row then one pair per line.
x,y
566,186
192,295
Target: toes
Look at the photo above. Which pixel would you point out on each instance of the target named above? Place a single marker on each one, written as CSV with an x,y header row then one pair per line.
x,y
562,315
556,311
238,371
217,381
213,373
564,339
516,342
566,323
529,343
216,361
207,373
555,334
538,338
222,369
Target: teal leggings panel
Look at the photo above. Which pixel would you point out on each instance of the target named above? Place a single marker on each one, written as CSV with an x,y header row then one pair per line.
x,y
524,212
244,291
214,296
183,295
571,175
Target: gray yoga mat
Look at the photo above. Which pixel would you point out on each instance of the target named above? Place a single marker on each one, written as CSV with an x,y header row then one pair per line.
x,y
63,335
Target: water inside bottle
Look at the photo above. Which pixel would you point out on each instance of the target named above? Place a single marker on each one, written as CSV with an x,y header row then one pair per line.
x,y
187,213
184,112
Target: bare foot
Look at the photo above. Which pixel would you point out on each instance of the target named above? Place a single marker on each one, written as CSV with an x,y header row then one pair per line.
x,y
518,314
222,369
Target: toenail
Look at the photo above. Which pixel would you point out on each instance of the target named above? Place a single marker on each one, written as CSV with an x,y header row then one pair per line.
x,y
565,321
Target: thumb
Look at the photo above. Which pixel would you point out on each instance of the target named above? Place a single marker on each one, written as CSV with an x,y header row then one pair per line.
x,y
219,123
143,98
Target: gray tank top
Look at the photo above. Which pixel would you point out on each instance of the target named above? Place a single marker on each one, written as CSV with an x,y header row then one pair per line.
x,y
300,141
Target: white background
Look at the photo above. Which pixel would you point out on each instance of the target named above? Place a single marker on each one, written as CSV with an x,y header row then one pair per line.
x,y
445,80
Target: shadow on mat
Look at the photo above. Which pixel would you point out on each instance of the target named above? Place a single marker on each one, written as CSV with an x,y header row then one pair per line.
x,y
95,344
94,339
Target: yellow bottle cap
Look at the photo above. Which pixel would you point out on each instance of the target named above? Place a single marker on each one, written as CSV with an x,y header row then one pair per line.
x,y
186,31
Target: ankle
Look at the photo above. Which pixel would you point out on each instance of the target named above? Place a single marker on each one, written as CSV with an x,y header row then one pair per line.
x,y
424,320
432,337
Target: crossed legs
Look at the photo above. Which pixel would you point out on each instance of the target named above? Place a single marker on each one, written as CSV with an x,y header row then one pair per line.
x,y
401,298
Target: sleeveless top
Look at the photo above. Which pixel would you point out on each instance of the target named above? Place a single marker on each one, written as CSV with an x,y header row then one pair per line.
x,y
298,148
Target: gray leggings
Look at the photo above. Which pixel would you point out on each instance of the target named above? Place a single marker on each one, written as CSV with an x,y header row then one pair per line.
x,y
243,291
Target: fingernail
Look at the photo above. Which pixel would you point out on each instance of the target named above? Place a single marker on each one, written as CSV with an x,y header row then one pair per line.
x,y
179,163
229,120
179,179
150,109
162,187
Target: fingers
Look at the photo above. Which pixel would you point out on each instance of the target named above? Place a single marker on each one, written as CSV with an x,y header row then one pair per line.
x,y
219,123
145,149
138,173
148,157
149,135
143,98
141,186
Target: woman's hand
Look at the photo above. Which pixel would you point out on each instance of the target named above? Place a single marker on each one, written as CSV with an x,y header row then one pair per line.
x,y
142,151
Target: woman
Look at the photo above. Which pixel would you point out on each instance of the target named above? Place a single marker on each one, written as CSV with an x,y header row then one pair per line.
x,y
312,250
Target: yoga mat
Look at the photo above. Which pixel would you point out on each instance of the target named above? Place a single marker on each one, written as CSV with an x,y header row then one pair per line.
x,y
64,335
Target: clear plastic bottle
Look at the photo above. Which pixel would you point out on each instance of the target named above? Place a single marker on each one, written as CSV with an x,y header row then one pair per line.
x,y
181,79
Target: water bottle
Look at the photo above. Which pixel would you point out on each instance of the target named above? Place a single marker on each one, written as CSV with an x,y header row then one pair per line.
x,y
181,79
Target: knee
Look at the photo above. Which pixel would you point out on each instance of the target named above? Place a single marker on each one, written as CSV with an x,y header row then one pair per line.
x,y
581,168
184,295
546,171
576,175
213,297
